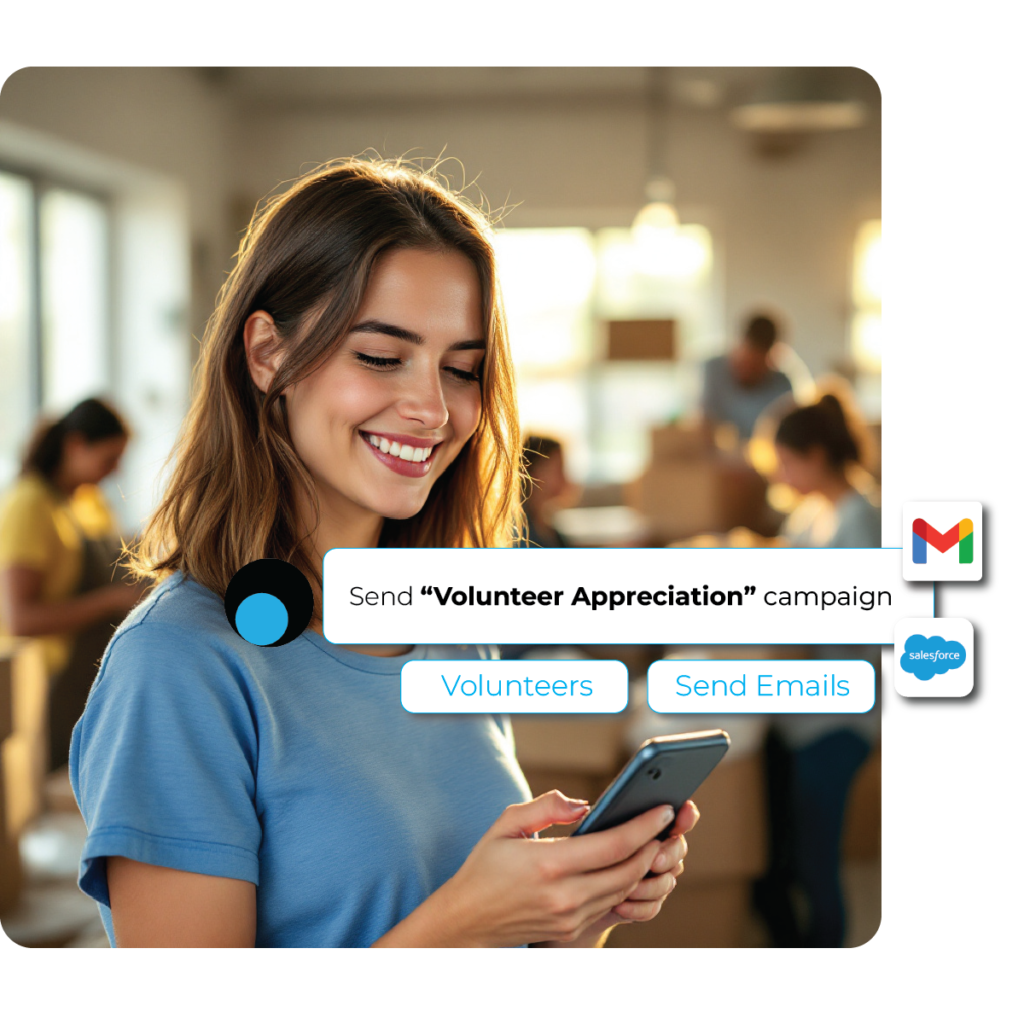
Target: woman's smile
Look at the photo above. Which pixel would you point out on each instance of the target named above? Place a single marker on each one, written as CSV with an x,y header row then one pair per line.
x,y
401,453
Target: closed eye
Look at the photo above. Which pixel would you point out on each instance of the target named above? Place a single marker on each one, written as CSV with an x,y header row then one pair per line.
x,y
391,362
469,376
380,362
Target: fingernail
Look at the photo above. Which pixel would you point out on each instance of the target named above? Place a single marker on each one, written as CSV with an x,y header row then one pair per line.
x,y
668,816
576,800
582,809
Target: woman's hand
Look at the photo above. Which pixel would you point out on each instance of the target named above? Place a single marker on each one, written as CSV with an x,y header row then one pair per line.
x,y
646,900
514,890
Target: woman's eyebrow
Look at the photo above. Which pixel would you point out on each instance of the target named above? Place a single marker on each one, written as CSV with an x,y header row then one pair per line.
x,y
394,331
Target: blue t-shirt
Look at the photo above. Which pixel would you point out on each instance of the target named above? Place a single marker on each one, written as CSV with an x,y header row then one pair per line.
x,y
295,768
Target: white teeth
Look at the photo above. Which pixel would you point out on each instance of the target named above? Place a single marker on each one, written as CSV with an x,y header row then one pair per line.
x,y
406,452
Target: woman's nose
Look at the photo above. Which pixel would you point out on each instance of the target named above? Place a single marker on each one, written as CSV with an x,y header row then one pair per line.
x,y
424,400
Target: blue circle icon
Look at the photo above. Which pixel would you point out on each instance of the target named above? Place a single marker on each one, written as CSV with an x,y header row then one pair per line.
x,y
261,619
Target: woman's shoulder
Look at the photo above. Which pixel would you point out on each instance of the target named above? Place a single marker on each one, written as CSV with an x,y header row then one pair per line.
x,y
859,522
179,621
29,493
29,527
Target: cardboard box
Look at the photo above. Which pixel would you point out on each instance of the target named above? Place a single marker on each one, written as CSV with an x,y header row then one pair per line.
x,y
6,698
642,339
25,752
588,744
24,697
679,498
710,495
696,915
730,840
11,879
686,441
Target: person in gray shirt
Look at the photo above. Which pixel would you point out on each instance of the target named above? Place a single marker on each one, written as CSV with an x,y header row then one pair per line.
x,y
740,385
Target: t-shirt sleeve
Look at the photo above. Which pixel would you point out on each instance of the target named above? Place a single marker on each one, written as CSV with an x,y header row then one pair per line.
x,y
163,759
26,532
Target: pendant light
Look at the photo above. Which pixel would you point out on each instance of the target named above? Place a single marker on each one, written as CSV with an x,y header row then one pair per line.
x,y
659,213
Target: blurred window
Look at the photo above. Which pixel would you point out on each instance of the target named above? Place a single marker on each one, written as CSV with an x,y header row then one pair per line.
x,y
865,329
54,305
560,286
17,391
75,297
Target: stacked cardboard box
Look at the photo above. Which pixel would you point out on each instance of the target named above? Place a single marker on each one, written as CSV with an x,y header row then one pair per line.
x,y
23,754
690,488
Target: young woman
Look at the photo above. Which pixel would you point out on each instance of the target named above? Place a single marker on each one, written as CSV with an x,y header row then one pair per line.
x,y
58,545
813,759
356,390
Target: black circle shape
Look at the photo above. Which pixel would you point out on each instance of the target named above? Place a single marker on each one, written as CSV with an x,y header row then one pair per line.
x,y
281,580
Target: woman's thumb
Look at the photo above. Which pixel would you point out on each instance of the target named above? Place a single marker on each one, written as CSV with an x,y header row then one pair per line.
x,y
553,808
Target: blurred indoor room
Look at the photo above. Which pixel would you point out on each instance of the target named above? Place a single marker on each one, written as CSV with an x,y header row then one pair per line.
x,y
649,223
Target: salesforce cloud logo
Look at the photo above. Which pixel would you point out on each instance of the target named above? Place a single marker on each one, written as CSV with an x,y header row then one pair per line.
x,y
928,656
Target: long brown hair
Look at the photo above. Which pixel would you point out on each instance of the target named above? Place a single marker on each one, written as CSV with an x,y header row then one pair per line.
x,y
306,259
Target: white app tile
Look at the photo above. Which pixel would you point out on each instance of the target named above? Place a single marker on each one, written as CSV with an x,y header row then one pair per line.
x,y
942,540
933,657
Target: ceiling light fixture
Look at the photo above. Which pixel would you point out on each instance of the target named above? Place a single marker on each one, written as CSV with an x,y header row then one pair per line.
x,y
659,213
801,100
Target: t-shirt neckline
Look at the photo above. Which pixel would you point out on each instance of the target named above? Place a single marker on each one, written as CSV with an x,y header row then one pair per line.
x,y
384,666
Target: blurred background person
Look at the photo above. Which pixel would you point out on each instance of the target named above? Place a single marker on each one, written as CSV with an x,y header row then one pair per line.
x,y
545,491
812,759
58,547
741,384
816,449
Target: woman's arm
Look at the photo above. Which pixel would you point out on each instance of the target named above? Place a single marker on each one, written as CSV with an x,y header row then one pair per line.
x,y
28,615
155,906
512,890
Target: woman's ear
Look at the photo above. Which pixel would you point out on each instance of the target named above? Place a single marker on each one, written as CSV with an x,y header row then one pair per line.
x,y
263,348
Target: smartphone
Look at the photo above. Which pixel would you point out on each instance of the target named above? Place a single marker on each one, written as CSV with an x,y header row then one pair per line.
x,y
665,770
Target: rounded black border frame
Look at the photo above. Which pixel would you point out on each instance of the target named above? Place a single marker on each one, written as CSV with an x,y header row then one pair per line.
x,y
281,580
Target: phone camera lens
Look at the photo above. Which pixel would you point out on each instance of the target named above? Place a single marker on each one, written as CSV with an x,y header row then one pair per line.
x,y
655,773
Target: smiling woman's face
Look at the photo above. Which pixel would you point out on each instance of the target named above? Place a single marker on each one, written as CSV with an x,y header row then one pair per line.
x,y
384,417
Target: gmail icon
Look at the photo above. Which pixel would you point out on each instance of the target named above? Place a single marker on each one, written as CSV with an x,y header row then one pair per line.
x,y
942,540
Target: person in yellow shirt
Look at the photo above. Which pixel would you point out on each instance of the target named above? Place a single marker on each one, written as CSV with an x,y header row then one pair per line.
x,y
58,546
